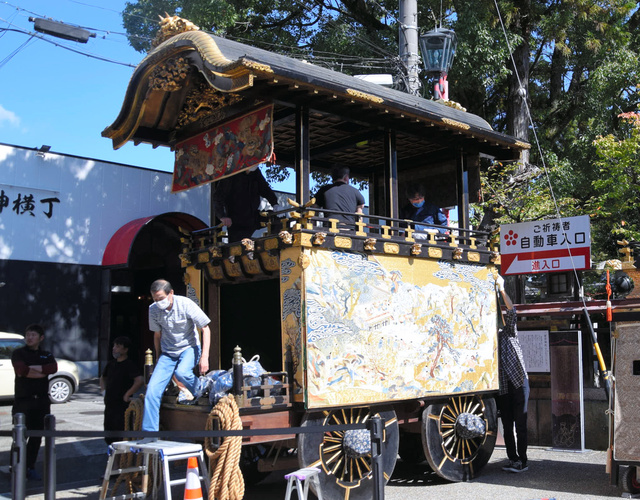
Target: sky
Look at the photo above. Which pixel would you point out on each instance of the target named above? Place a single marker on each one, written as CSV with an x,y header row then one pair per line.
x,y
51,95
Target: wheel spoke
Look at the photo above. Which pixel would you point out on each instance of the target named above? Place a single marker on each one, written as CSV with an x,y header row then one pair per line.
x,y
448,417
467,404
332,439
331,449
333,471
333,457
366,466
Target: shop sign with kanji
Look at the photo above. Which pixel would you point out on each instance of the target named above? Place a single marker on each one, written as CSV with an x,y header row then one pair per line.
x,y
547,246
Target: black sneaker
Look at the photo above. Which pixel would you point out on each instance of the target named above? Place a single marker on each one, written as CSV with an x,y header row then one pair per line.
x,y
518,467
508,466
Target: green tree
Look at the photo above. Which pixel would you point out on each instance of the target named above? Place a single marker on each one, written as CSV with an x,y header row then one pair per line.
x,y
614,206
576,60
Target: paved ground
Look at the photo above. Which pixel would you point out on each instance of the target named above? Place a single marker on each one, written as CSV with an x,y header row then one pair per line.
x,y
559,475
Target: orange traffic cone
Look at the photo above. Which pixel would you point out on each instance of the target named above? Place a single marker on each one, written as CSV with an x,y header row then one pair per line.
x,y
192,488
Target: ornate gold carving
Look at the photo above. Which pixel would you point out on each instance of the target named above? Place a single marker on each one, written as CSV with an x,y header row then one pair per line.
x,y
452,104
263,68
319,238
305,239
285,237
393,248
473,256
364,96
271,244
495,257
523,145
334,226
408,233
342,242
202,101
370,244
250,265
455,123
248,244
184,259
270,262
203,257
304,261
627,255
435,253
416,249
215,252
232,268
457,253
215,272
172,26
170,75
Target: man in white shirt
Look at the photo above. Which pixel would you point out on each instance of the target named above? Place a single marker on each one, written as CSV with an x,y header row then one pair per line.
x,y
174,320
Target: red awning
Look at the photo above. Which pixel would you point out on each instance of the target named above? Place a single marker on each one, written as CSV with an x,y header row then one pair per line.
x,y
119,247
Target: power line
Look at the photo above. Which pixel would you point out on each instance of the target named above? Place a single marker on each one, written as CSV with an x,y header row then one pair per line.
x,y
330,59
71,49
10,56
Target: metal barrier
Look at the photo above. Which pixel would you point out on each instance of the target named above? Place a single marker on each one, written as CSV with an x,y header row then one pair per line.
x,y
20,434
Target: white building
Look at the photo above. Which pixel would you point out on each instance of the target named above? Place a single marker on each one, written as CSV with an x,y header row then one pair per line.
x,y
80,242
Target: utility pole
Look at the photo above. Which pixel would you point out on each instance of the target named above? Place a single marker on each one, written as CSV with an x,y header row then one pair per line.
x,y
408,45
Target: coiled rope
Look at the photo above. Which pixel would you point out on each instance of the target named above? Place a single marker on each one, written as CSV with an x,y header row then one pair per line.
x,y
226,481
132,422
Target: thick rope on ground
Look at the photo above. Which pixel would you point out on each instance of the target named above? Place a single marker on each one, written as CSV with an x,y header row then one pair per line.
x,y
226,481
132,422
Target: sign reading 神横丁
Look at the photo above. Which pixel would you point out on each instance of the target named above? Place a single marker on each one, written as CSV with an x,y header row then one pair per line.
x,y
546,246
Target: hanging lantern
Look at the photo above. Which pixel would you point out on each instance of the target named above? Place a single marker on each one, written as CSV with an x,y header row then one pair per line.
x,y
438,48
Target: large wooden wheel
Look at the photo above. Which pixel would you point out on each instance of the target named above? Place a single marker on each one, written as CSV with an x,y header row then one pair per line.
x,y
459,436
344,457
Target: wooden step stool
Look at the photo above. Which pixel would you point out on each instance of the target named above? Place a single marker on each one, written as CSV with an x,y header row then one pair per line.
x,y
306,475
154,451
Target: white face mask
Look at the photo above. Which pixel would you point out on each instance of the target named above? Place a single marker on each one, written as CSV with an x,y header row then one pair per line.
x,y
164,303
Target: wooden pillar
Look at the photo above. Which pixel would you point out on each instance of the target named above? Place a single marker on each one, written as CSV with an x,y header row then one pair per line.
x,y
462,182
391,173
212,298
303,152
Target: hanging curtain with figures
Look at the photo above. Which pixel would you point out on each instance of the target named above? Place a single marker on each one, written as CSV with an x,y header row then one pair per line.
x,y
229,148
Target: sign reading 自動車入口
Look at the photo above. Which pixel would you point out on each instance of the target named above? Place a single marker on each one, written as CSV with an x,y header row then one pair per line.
x,y
546,246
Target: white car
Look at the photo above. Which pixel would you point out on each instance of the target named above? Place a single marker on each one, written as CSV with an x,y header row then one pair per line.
x,y
62,384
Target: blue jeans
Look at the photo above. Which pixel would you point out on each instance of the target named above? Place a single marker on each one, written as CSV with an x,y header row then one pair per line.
x,y
182,365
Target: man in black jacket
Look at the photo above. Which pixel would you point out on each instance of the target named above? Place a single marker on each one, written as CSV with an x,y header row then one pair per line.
x,y
236,201
33,366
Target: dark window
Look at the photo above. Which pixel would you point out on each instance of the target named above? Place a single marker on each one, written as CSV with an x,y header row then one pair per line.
x,y
558,283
